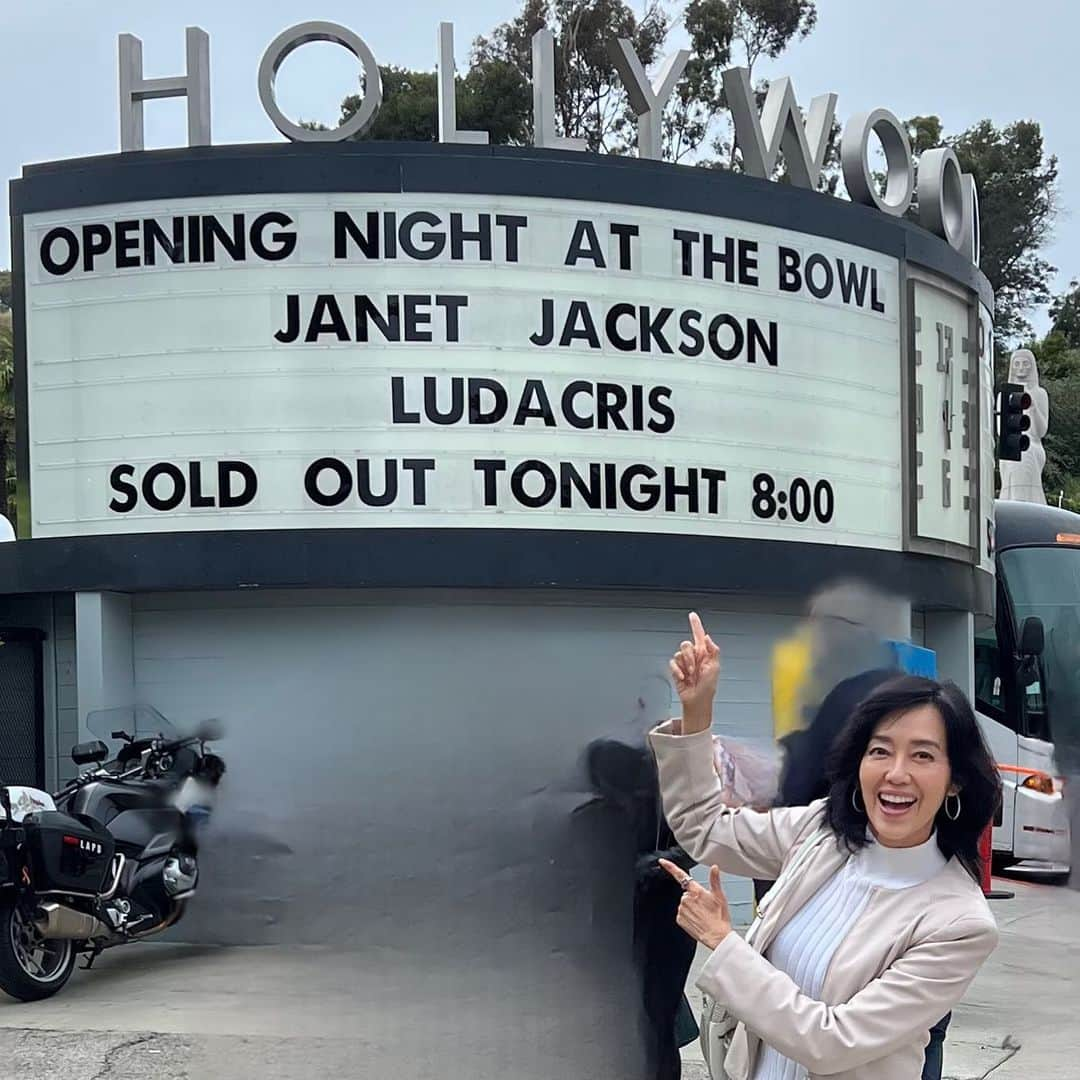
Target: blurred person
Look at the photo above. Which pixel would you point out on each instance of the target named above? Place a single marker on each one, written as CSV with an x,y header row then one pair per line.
x,y
877,924
625,776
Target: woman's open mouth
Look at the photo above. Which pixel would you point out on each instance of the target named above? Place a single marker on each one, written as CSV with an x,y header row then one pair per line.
x,y
895,805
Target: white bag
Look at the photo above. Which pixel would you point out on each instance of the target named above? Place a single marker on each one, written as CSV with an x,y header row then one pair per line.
x,y
717,1025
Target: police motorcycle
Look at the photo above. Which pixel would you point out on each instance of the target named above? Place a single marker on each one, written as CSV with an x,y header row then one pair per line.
x,y
110,859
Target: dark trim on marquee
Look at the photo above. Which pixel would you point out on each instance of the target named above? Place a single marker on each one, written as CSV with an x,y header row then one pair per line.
x,y
459,557
475,558
481,170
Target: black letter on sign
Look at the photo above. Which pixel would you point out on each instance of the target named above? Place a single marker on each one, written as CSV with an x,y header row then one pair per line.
x,y
489,467
291,330
477,413
285,243
611,327
511,223
96,240
659,396
326,318
819,291
226,470
578,386
363,482
66,264
419,467
579,312
311,482
119,481
172,501
544,335
345,229
517,484
624,233
790,279
399,414
198,499
585,244
534,388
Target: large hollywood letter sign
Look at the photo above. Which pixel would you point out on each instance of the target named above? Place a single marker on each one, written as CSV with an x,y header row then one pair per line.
x,y
948,199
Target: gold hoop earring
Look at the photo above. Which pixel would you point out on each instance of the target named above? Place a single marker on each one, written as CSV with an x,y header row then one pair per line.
x,y
956,816
854,795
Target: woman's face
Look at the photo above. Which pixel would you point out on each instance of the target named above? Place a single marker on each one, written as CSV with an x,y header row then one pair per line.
x,y
904,776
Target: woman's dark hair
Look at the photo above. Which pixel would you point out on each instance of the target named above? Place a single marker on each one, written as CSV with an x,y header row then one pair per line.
x,y
973,769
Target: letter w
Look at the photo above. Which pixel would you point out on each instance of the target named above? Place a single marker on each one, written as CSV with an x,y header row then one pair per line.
x,y
779,126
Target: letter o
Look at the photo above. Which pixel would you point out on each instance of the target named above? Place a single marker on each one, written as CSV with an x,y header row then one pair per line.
x,y
289,41
972,226
899,171
54,267
941,195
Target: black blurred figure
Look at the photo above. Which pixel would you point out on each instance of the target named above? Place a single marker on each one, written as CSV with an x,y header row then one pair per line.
x,y
626,776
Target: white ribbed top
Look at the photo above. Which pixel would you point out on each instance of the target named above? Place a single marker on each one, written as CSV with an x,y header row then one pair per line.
x,y
805,945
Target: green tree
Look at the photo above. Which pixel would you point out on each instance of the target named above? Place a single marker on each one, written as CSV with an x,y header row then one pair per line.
x,y
1018,201
5,290
590,101
493,97
496,96
768,27
1065,315
7,415
1062,442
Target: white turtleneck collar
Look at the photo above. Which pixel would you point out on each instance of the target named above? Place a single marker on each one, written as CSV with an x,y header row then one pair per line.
x,y
898,868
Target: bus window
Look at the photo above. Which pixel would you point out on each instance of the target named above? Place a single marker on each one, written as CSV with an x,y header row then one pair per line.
x,y
989,680
1045,581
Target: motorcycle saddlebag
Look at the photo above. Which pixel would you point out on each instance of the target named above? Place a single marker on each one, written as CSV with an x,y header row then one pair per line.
x,y
66,854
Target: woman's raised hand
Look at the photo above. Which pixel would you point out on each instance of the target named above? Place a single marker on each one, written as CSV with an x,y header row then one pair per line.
x,y
696,669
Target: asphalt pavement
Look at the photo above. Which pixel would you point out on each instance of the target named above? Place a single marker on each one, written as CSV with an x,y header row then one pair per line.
x,y
175,1012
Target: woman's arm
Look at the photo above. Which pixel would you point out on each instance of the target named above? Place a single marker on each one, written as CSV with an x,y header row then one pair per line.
x,y
739,841
913,993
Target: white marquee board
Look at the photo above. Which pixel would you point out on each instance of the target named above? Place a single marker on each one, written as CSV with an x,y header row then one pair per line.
x,y
665,401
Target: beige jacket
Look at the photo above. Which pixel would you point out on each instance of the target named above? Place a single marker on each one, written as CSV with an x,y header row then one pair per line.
x,y
905,963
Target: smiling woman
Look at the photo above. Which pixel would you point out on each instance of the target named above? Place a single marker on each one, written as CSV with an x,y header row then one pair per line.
x,y
916,754
876,924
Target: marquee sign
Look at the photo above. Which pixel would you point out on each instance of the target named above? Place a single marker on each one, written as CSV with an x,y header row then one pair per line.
x,y
308,361
217,342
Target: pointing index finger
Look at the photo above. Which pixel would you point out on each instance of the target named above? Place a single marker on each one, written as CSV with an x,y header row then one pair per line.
x,y
697,630
676,872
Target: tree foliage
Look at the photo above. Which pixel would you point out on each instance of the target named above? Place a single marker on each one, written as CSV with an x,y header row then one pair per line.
x,y
492,97
590,100
1017,185
7,411
1058,356
1018,202
496,96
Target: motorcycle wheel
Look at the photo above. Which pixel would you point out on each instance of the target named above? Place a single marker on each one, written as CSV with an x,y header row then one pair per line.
x,y
31,968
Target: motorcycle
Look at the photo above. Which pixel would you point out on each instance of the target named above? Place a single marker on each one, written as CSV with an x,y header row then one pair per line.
x,y
112,858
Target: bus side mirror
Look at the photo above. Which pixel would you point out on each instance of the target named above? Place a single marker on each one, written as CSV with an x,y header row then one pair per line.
x,y
1032,638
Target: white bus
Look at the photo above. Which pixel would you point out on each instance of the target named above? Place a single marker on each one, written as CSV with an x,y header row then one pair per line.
x,y
1027,680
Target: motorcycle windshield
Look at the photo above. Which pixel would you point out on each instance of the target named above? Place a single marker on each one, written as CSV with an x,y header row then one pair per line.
x,y
138,721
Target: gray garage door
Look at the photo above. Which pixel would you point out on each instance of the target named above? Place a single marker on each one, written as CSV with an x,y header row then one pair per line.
x,y
406,779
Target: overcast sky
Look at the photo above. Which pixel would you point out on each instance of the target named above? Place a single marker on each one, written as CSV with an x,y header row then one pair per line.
x,y
961,59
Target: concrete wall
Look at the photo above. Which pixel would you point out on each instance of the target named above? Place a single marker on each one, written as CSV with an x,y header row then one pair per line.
x,y
407,779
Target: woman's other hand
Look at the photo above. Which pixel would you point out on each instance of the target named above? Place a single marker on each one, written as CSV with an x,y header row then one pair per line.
x,y
703,913
696,669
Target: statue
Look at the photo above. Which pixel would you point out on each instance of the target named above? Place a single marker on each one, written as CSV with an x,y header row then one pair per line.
x,y
1021,481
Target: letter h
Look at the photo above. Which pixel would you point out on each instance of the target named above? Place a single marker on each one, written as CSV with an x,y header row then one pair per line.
x,y
134,89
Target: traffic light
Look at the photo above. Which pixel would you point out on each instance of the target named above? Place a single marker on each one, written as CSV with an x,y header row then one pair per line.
x,y
1013,422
